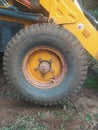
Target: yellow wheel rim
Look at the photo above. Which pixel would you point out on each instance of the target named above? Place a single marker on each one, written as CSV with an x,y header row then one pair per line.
x,y
44,67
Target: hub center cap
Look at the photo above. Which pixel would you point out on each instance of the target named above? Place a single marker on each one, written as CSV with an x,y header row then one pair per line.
x,y
44,67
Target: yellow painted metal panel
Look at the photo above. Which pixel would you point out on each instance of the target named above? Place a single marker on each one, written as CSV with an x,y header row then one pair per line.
x,y
89,41
46,4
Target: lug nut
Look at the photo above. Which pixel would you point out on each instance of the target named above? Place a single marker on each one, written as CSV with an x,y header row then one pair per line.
x,y
39,59
50,60
36,68
52,71
52,80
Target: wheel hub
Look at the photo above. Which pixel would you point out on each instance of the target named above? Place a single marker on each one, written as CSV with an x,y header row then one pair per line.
x,y
44,67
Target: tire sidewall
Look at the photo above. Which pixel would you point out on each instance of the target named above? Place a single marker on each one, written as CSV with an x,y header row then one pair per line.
x,y
15,61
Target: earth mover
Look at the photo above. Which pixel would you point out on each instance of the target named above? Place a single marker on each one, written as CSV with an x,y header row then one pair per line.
x,y
44,45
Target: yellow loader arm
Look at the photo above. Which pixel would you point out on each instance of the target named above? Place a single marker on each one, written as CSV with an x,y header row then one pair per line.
x,y
67,14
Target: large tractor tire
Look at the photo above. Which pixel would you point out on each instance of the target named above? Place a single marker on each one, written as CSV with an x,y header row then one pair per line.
x,y
46,63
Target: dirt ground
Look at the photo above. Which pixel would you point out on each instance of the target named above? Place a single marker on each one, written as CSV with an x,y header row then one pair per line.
x,y
16,114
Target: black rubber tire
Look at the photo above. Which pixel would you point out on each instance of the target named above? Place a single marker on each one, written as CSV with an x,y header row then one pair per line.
x,y
55,37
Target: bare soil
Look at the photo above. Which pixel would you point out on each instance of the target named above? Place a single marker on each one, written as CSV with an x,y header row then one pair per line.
x,y
16,114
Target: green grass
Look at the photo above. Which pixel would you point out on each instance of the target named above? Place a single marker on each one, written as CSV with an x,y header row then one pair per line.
x,y
92,77
28,123
91,81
